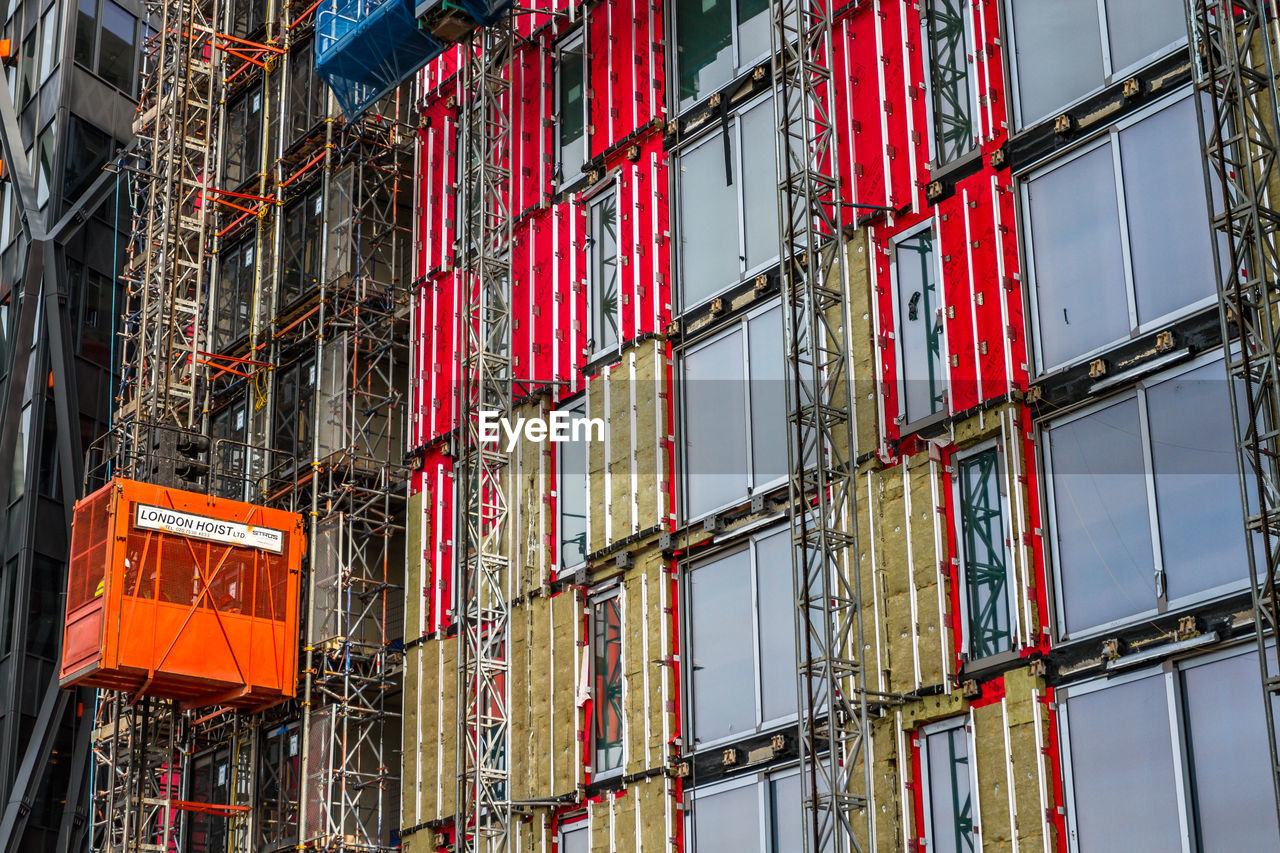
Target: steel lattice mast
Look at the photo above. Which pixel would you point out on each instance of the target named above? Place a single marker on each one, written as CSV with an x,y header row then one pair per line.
x,y
1234,51
832,698
483,804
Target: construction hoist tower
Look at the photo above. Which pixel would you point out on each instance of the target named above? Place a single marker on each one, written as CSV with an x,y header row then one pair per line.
x,y
834,772
484,616
137,745
1234,51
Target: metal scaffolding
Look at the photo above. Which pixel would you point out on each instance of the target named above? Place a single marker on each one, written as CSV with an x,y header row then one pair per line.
x,y
321,771
831,682
1234,51
484,807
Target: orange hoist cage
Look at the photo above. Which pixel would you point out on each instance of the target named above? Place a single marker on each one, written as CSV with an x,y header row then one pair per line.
x,y
206,616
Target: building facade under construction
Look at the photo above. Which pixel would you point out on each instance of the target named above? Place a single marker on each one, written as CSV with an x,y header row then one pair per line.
x,y
672,426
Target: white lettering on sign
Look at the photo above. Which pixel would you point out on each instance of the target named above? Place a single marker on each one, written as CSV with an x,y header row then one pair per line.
x,y
213,529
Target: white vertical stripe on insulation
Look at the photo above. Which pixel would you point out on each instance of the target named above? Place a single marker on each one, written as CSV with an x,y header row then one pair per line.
x,y
877,354
634,461
939,560
439,738
1015,578
1008,775
884,119
1005,342
973,300
606,380
907,103
437,584
875,588
1042,773
904,769
659,427
644,669
633,264
911,576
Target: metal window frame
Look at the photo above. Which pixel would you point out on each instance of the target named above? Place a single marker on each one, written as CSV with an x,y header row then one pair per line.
x,y
761,780
905,425
995,446
1164,606
1106,138
576,405
139,34
749,546
1109,75
738,324
710,135
921,738
596,600
575,38
611,189
936,164
740,66
1180,734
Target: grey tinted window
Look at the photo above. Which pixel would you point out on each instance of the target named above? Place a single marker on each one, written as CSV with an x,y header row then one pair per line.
x,y
1139,28
1122,769
727,821
1167,212
572,495
704,47
1058,53
575,840
950,818
759,191
573,138
721,636
1232,781
1101,518
715,436
1197,487
777,625
708,222
1079,266
768,398
919,333
787,813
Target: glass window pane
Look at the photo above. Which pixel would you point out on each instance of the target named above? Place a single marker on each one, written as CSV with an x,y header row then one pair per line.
x,y
950,819
607,728
1058,53
986,575
86,31
604,332
1168,213
787,812
573,148
572,495
768,399
45,165
575,840
1102,525
715,435
1122,769
116,52
1232,780
721,635
753,31
1139,28
760,192
949,81
727,821
704,47
919,331
1197,485
48,42
1079,269
777,625
709,259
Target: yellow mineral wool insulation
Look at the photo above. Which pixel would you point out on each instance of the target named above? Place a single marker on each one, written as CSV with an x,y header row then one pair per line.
x,y
877,588
914,626
633,505
1008,775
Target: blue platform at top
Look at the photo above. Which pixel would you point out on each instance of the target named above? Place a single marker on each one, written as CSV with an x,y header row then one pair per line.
x,y
365,48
